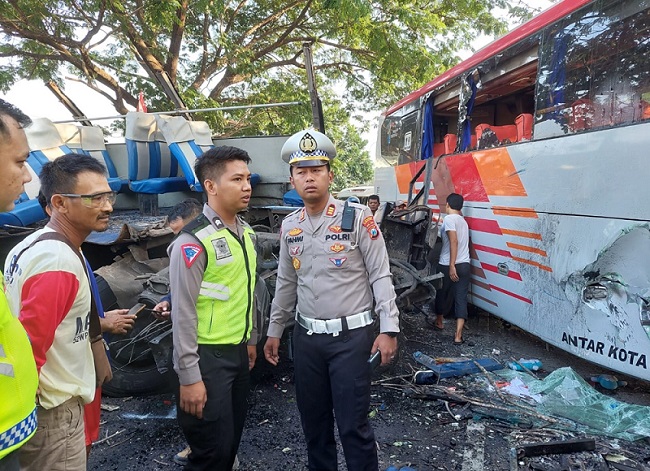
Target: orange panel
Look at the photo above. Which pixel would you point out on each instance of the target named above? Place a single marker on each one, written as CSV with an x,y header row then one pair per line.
x,y
526,248
498,173
529,235
404,175
535,264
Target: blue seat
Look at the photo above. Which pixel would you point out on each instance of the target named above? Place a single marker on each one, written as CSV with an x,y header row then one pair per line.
x,y
152,170
180,138
45,145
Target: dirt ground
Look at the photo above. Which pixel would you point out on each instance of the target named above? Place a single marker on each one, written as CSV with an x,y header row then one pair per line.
x,y
142,433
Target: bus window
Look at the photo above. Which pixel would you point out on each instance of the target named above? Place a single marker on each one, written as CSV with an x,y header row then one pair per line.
x,y
594,69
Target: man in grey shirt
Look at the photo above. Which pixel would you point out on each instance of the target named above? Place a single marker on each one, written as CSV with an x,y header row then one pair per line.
x,y
212,280
332,261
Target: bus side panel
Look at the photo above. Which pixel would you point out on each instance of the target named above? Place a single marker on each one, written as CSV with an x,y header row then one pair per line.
x,y
557,248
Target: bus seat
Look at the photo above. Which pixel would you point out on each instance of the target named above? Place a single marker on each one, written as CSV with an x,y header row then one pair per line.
x,y
202,134
27,209
152,170
179,137
449,143
438,149
89,140
93,144
45,142
524,123
499,135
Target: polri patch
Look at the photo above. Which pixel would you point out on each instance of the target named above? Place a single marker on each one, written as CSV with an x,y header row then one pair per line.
x,y
330,210
190,253
296,263
338,262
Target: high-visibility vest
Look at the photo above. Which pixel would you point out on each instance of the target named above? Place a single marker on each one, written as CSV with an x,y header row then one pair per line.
x,y
225,303
18,381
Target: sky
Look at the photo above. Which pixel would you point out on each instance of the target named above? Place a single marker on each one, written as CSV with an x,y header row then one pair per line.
x,y
36,100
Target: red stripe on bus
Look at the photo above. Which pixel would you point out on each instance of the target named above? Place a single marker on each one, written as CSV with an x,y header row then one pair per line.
x,y
466,178
516,296
483,225
485,248
489,301
493,268
477,271
485,286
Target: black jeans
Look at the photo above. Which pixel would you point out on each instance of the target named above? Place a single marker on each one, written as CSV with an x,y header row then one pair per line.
x,y
215,438
453,293
332,377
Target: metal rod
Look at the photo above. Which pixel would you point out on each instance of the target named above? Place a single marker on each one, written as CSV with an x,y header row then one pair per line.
x,y
198,110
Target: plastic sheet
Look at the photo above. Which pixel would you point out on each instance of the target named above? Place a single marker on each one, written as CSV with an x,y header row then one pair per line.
x,y
566,394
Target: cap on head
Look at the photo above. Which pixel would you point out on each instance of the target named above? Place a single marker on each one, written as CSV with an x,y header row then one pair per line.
x,y
308,148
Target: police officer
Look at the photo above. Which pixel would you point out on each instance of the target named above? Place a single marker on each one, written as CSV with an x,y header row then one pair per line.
x,y
212,279
330,266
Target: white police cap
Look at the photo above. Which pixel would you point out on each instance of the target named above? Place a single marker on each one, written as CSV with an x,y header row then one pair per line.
x,y
308,148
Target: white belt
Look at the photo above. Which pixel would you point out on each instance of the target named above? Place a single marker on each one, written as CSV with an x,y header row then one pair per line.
x,y
334,326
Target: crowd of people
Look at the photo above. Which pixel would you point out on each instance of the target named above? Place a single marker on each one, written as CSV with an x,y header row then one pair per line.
x,y
53,358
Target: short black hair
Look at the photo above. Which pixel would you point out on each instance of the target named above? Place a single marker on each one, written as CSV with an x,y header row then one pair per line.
x,y
455,201
186,209
60,175
212,163
7,109
373,197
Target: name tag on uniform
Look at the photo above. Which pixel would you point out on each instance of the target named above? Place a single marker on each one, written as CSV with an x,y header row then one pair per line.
x,y
221,248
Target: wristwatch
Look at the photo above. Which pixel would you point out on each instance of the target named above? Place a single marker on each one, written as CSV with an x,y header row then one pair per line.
x,y
391,334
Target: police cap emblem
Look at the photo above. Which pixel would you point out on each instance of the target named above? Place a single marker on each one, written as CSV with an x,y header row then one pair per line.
x,y
308,148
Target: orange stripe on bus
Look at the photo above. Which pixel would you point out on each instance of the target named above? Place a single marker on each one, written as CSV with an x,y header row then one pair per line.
x,y
498,173
526,248
529,235
517,212
535,264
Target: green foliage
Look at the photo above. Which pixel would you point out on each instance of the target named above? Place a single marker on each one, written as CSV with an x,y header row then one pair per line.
x,y
233,53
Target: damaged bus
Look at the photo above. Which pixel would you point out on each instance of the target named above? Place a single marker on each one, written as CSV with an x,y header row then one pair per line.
x,y
545,132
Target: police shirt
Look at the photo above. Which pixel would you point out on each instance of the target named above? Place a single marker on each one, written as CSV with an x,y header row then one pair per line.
x,y
326,273
185,277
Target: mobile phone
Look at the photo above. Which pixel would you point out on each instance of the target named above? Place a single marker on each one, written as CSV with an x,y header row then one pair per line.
x,y
375,360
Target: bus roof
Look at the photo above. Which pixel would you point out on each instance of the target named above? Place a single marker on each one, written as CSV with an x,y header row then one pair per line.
x,y
547,17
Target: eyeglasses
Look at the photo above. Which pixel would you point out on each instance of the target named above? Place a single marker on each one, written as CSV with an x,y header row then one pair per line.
x,y
94,201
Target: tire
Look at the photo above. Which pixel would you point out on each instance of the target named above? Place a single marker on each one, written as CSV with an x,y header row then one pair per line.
x,y
139,381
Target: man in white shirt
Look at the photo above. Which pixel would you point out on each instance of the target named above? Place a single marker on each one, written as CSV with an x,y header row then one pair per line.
x,y
454,264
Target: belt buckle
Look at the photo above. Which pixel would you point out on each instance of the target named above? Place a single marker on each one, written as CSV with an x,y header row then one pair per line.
x,y
319,326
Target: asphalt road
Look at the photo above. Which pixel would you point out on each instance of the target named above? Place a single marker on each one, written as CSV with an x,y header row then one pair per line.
x,y
426,434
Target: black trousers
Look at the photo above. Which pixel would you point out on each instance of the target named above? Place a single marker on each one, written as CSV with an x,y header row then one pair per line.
x,y
332,377
453,293
215,438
